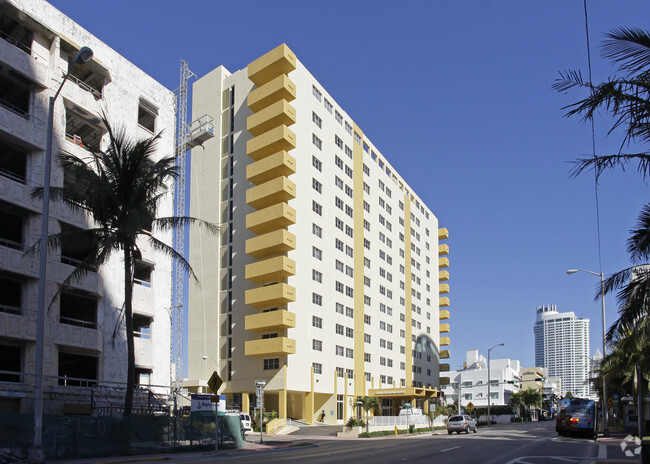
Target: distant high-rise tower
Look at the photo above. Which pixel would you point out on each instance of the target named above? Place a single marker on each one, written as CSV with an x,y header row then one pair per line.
x,y
562,346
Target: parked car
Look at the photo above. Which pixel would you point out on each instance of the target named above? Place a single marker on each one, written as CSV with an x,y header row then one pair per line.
x,y
461,423
246,422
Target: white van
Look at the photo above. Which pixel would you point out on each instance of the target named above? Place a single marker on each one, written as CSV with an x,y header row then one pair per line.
x,y
246,422
410,412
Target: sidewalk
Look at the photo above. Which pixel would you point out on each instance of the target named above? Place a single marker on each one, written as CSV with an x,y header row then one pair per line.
x,y
150,458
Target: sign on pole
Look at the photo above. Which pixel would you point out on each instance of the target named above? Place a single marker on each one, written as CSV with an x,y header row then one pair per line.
x,y
215,383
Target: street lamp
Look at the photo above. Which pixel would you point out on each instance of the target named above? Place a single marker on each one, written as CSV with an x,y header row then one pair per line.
x,y
602,304
488,379
36,454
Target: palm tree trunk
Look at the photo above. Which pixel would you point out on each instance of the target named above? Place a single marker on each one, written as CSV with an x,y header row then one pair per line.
x,y
128,319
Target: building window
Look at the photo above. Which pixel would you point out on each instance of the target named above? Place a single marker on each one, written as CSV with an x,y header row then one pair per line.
x,y
317,276
316,141
366,357
339,287
328,105
349,292
317,253
349,332
339,329
317,345
338,116
317,208
317,299
349,353
317,230
366,338
317,163
338,141
317,322
317,120
271,364
317,185
366,319
318,368
147,114
317,93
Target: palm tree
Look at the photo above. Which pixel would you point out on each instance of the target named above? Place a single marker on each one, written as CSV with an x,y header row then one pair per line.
x,y
626,98
122,188
368,403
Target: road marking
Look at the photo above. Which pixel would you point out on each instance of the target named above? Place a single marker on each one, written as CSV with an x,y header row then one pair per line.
x,y
602,451
449,449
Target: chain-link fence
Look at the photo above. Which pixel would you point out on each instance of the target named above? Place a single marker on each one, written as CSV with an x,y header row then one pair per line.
x,y
73,437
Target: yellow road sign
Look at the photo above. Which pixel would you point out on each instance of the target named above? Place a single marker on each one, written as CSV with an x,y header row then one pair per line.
x,y
610,402
214,383
470,406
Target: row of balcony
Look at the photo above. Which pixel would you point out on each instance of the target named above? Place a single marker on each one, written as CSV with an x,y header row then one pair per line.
x,y
443,289
269,148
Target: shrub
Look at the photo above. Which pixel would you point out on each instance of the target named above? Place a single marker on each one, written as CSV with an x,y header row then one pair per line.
x,y
352,422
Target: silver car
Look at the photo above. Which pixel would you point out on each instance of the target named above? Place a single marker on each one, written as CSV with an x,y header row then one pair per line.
x,y
460,423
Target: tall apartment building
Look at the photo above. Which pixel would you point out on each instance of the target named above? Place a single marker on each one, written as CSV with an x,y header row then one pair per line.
x,y
562,347
324,281
85,344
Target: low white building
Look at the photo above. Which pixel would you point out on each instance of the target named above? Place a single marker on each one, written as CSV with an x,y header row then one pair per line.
x,y
471,383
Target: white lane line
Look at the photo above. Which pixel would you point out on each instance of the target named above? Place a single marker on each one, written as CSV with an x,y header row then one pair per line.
x,y
449,449
602,451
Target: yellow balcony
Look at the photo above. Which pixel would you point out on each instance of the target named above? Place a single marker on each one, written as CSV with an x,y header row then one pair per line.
x,y
277,114
280,138
444,381
280,60
443,288
275,191
443,249
443,275
443,262
271,218
280,88
444,341
443,233
271,269
444,354
269,347
443,301
277,165
444,328
273,243
444,367
271,295
270,320
444,314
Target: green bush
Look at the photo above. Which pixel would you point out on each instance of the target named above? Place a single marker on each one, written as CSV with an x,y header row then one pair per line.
x,y
385,433
352,422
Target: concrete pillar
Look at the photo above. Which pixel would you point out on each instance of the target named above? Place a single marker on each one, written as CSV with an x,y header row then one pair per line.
x,y
245,402
309,401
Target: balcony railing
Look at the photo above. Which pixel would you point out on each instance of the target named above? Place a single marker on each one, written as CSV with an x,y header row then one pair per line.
x,y
12,175
77,322
87,87
15,42
11,376
76,382
5,242
9,309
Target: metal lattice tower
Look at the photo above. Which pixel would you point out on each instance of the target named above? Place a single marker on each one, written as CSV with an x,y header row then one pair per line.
x,y
178,274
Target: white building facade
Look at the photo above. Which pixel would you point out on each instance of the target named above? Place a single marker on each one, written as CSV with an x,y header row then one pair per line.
x,y
471,383
562,347
85,341
325,279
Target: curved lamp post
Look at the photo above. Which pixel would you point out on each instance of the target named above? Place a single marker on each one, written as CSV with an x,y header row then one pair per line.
x,y
36,454
488,366
602,303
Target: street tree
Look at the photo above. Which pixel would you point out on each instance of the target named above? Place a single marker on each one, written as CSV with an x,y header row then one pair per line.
x,y
369,403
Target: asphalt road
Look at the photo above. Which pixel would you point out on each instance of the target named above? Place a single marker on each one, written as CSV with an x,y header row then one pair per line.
x,y
527,443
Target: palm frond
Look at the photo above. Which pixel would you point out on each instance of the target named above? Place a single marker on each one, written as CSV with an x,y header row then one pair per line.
x,y
629,47
601,163
638,244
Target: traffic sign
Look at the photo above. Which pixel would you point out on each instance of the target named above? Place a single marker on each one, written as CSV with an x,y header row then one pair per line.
x,y
470,406
214,383
260,383
610,402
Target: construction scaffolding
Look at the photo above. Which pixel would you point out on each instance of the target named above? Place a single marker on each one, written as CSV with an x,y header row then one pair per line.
x,y
187,136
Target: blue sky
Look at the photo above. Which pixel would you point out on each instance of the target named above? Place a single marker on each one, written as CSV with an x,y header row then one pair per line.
x,y
458,97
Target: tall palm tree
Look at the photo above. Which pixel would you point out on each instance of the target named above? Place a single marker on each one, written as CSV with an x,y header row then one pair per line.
x,y
626,98
633,283
122,188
